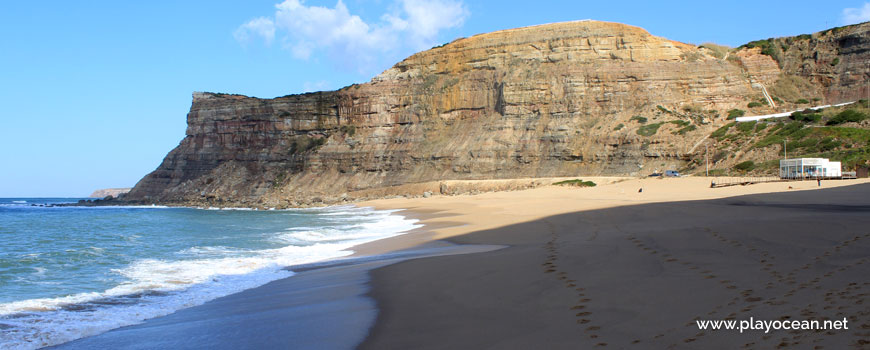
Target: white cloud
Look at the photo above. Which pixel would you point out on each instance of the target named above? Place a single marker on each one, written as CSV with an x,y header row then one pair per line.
x,y
427,17
350,40
261,26
853,15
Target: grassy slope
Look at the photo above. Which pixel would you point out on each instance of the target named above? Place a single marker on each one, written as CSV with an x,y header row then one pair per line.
x,y
747,148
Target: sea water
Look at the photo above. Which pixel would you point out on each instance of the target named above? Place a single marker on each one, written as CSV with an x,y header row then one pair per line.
x,y
72,272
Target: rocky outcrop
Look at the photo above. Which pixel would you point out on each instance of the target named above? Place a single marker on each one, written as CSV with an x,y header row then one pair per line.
x,y
565,99
105,192
833,65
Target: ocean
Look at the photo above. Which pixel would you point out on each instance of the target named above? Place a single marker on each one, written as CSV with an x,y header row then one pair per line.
x,y
73,272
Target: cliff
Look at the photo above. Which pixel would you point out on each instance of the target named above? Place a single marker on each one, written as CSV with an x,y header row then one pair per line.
x,y
832,65
564,99
114,192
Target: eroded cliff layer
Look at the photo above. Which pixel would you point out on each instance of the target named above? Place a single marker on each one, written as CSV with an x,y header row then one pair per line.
x,y
565,99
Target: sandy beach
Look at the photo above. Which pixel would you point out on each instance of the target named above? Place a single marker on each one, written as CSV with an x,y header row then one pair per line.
x,y
566,268
612,267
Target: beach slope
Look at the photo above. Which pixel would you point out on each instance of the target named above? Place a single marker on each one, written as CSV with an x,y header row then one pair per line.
x,y
612,267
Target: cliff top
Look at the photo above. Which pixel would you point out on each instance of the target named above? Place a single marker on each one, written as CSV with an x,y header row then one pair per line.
x,y
583,41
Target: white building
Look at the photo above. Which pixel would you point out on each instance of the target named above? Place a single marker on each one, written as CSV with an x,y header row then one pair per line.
x,y
801,168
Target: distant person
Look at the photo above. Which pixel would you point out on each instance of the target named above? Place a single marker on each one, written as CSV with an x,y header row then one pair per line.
x,y
820,182
640,190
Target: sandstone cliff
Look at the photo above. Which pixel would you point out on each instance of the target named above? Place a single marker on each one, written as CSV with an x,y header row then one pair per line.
x,y
565,99
831,65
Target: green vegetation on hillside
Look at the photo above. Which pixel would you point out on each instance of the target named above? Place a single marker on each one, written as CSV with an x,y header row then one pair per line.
x,y
576,182
806,116
767,47
649,129
849,115
639,119
746,127
719,133
745,166
735,113
836,133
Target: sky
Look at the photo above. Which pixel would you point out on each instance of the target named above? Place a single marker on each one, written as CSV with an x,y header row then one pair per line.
x,y
94,94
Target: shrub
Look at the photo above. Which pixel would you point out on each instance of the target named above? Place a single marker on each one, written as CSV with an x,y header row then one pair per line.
x,y
686,129
769,140
835,61
722,131
618,127
734,113
639,119
849,115
649,129
746,127
806,116
745,166
753,104
680,123
828,144
802,101
760,126
576,182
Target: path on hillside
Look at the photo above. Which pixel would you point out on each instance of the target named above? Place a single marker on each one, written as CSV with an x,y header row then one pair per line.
x,y
785,114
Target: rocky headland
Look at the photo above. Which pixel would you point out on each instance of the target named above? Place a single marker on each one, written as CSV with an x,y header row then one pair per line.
x,y
582,98
105,192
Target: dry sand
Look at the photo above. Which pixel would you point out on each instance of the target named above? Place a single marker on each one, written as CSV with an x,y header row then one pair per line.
x,y
610,267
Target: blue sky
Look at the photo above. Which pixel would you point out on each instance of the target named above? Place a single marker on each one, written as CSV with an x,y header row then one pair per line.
x,y
94,94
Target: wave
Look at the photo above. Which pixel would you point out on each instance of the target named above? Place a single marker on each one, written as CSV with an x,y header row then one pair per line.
x,y
154,288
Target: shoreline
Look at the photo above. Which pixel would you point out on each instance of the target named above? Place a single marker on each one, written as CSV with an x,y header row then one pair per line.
x,y
446,221
608,267
445,216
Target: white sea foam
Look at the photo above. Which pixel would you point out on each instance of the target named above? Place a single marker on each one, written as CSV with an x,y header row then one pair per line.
x,y
154,288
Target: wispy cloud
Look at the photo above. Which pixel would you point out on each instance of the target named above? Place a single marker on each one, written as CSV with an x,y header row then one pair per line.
x,y
348,39
857,15
262,27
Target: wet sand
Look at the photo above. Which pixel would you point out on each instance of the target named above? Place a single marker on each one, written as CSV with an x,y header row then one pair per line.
x,y
610,267
561,267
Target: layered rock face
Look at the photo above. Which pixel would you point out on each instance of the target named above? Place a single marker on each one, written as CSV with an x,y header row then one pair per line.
x,y
552,100
838,60
833,65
